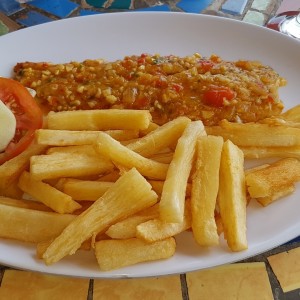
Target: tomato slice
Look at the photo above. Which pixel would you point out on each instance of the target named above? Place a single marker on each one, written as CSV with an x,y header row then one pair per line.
x,y
28,115
216,95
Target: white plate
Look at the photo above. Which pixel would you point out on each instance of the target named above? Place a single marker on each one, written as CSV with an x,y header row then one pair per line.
x,y
112,36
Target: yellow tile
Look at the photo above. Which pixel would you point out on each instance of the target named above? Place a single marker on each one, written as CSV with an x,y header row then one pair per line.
x,y
286,266
164,288
242,281
36,286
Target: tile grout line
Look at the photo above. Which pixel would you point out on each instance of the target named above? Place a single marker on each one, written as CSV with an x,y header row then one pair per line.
x,y
184,287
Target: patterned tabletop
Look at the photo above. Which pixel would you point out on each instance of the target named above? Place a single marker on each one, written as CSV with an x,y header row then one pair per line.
x,y
270,275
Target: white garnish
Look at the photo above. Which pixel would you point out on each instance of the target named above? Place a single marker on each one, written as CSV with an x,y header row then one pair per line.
x,y
7,126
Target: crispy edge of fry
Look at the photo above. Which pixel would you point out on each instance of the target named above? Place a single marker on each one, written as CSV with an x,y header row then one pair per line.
x,y
114,254
270,180
232,197
265,201
121,155
47,194
104,119
116,204
174,189
205,186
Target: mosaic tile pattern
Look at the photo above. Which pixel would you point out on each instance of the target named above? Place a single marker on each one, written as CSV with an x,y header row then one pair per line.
x,y
25,13
235,7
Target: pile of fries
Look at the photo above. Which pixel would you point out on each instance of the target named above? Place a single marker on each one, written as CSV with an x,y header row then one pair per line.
x,y
113,182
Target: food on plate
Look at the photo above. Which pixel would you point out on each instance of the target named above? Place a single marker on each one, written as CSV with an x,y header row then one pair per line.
x,y
273,181
232,200
131,251
134,152
130,193
208,89
109,188
20,117
205,187
172,202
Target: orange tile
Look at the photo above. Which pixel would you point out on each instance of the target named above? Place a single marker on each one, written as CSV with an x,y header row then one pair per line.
x,y
286,266
166,288
246,281
35,286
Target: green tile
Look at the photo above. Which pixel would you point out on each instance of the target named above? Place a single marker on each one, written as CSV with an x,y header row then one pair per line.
x,y
3,28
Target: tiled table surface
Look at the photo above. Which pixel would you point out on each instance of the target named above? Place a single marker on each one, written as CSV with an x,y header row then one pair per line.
x,y
16,15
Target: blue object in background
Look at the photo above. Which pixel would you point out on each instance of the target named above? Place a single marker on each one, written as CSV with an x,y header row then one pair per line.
x,y
9,7
59,8
193,6
235,7
33,18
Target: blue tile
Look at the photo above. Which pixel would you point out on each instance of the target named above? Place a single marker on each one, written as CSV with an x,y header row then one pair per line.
x,y
155,8
9,7
33,18
234,7
296,240
88,12
120,4
59,8
96,3
194,6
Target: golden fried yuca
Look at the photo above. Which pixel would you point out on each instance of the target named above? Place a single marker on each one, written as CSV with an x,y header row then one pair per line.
x,y
205,186
273,181
130,194
123,156
172,201
113,254
99,119
31,225
47,194
232,197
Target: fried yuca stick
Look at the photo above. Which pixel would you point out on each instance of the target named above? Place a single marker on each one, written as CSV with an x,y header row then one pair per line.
x,y
126,229
58,165
274,179
266,152
89,190
173,194
30,225
205,186
114,254
111,149
53,137
47,194
11,169
130,194
293,114
160,138
29,204
232,197
104,119
256,134
157,230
